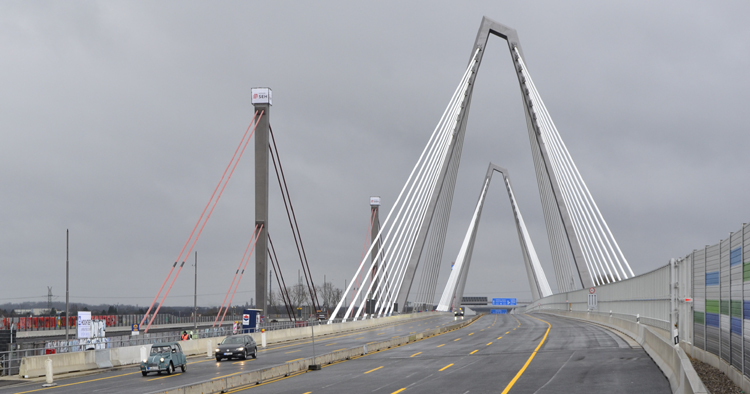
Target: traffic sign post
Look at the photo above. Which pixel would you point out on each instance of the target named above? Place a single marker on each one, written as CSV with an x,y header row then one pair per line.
x,y
504,301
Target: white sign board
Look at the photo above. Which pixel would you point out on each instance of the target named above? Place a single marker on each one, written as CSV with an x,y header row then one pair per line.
x,y
245,319
374,201
262,96
592,302
84,325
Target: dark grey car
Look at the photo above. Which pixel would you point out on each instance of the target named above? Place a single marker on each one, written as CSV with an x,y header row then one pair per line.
x,y
240,346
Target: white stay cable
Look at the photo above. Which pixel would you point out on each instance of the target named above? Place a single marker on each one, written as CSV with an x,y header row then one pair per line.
x,y
542,281
588,198
408,182
450,286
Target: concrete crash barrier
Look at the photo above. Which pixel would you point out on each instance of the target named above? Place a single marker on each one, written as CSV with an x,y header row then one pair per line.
x,y
282,370
671,359
33,366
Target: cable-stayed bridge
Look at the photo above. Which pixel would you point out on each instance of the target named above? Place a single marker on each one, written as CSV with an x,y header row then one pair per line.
x,y
695,304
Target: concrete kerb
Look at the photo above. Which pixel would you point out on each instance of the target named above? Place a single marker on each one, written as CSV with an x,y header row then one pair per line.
x,y
33,366
672,360
299,366
711,359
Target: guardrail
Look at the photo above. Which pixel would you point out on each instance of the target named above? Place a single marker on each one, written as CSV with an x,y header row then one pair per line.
x,y
108,356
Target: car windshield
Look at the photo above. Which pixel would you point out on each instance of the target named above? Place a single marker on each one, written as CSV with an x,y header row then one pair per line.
x,y
233,340
160,349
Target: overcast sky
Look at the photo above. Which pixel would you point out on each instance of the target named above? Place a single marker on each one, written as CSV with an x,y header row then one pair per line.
x,y
118,118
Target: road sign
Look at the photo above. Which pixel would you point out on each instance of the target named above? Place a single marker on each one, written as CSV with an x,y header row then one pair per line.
x,y
504,301
498,311
592,290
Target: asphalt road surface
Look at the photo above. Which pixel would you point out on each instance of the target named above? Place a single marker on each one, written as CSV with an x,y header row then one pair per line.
x,y
495,354
200,368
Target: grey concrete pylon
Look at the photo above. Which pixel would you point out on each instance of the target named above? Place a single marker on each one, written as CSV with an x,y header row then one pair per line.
x,y
489,27
261,205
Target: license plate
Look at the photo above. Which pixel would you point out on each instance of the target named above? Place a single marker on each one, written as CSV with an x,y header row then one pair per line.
x,y
228,354
153,368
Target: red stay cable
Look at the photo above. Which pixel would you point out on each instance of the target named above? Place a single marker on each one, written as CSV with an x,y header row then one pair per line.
x,y
200,218
368,235
235,274
243,272
204,222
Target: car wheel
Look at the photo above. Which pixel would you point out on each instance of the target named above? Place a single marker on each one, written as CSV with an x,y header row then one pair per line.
x,y
244,355
144,373
218,359
255,352
184,368
170,369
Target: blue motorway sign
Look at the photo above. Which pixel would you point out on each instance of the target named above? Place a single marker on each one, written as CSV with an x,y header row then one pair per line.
x,y
498,311
503,301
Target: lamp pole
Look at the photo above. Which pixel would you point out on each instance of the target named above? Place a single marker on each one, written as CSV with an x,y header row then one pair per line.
x,y
195,295
67,284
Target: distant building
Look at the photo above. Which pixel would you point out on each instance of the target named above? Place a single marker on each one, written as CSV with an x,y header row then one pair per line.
x,y
32,311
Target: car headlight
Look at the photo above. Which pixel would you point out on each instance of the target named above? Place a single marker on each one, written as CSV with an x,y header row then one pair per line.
x,y
161,359
241,349
217,350
144,361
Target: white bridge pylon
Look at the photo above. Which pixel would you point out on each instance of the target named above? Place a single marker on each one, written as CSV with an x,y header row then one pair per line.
x,y
454,289
584,251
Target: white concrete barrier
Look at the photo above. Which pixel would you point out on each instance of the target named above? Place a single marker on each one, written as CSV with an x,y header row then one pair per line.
x,y
33,366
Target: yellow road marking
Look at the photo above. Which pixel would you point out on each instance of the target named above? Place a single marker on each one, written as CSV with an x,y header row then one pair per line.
x,y
499,337
380,333
471,334
343,348
359,338
518,375
415,354
374,369
440,345
489,344
249,359
163,377
474,351
399,390
457,339
307,392
507,332
294,351
331,344
296,359
446,367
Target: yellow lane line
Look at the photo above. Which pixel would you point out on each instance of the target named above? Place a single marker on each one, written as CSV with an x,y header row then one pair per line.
x,y
446,367
489,344
474,351
343,348
372,370
415,354
440,345
380,333
471,334
294,351
399,390
73,384
507,332
295,359
164,377
518,375
457,339
249,359
499,337
359,338
331,344
307,392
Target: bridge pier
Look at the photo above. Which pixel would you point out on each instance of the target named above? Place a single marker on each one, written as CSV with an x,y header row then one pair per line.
x,y
262,102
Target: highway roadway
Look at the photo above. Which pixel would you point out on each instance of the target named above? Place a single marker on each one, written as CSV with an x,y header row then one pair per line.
x,y
129,379
496,354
